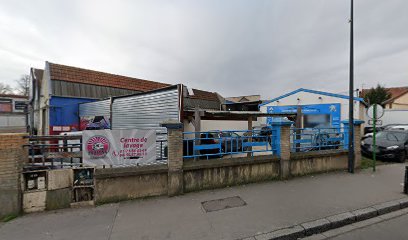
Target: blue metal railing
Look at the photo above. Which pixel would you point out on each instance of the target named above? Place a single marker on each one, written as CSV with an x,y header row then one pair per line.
x,y
216,144
315,139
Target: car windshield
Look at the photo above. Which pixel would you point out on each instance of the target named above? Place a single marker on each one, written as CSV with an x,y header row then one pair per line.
x,y
392,136
234,135
226,134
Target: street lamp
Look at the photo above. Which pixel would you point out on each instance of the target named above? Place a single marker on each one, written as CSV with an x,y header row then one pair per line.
x,y
351,97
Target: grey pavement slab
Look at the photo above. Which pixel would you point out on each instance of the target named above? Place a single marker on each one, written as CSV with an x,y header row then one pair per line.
x,y
269,206
67,224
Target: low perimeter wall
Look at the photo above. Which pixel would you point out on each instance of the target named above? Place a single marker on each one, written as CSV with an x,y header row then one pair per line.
x,y
113,185
116,184
315,162
218,173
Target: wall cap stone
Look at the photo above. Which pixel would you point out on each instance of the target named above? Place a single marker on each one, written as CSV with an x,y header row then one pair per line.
x,y
216,163
101,173
322,153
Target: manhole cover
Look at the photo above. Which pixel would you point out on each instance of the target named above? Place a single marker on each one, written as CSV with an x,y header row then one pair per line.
x,y
224,203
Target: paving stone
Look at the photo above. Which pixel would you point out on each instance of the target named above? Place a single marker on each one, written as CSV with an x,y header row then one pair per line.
x,y
339,231
316,226
387,207
315,237
365,213
290,233
341,219
367,222
249,238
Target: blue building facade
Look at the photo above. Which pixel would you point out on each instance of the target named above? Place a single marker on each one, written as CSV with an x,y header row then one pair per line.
x,y
64,113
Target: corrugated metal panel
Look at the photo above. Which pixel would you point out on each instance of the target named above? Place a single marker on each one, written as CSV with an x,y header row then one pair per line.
x,y
71,89
98,108
145,111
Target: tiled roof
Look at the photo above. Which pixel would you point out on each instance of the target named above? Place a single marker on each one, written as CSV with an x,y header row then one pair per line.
x,y
80,75
395,92
249,98
204,95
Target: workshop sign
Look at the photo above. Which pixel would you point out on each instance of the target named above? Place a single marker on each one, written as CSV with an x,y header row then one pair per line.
x,y
118,147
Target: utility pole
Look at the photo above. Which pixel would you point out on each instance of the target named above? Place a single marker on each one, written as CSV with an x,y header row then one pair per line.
x,y
351,96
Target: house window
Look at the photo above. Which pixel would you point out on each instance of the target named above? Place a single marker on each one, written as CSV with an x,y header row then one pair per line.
x,y
19,105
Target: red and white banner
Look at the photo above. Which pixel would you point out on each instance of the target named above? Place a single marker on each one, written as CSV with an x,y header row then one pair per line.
x,y
118,147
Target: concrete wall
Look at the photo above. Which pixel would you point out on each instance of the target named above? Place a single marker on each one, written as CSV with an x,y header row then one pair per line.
x,y
43,128
115,184
56,192
12,157
218,173
315,162
12,122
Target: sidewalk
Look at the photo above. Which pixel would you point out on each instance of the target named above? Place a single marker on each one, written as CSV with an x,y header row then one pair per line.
x,y
269,206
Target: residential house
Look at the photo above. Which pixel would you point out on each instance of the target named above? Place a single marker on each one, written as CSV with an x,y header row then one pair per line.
x,y
242,103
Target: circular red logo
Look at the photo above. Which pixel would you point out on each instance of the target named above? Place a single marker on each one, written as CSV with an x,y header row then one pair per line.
x,y
97,146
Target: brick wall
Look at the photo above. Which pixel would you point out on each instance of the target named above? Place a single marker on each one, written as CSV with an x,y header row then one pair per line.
x,y
175,161
175,149
12,156
357,146
285,151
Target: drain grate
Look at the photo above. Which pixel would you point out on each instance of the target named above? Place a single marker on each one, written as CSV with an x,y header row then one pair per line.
x,y
223,203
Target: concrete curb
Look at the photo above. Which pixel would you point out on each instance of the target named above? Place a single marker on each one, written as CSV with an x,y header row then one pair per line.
x,y
332,222
357,225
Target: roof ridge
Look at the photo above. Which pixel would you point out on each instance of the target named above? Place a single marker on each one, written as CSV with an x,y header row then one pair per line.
x,y
97,71
93,77
397,96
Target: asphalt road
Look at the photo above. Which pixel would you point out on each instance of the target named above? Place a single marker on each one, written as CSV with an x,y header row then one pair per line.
x,y
396,228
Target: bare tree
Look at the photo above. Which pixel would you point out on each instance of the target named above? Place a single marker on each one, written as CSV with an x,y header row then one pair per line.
x,y
23,85
5,88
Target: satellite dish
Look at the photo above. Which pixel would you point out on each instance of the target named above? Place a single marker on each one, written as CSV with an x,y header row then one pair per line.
x,y
379,112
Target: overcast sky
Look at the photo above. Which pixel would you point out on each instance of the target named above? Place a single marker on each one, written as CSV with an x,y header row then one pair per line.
x,y
233,47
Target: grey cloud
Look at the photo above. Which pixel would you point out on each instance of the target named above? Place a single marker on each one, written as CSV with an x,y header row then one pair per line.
x,y
234,47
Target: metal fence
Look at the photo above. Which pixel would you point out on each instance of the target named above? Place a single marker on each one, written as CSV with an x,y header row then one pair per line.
x,y
60,151
315,139
54,151
218,144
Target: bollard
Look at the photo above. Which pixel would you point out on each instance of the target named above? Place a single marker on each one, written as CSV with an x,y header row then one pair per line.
x,y
406,180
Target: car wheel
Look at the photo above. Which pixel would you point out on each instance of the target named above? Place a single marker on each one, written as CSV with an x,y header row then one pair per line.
x,y
403,156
